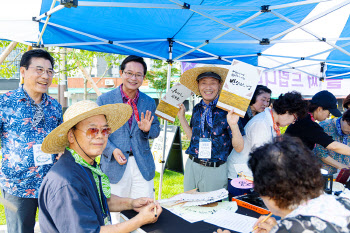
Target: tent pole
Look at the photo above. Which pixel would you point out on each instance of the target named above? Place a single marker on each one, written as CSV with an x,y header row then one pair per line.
x,y
7,51
46,21
170,61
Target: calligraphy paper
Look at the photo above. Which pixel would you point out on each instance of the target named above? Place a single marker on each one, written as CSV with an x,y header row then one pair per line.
x,y
239,87
168,105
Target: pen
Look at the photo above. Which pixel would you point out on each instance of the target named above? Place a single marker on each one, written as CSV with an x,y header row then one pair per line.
x,y
256,227
154,200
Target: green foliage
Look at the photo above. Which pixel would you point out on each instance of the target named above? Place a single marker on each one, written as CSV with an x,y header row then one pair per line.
x,y
7,68
172,184
86,59
184,140
158,76
177,122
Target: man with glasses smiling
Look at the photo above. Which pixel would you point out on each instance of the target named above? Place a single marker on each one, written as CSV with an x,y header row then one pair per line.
x,y
27,115
127,159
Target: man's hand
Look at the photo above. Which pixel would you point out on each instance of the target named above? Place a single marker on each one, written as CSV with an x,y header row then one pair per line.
x,y
146,121
119,156
221,231
147,215
181,112
232,118
138,204
264,227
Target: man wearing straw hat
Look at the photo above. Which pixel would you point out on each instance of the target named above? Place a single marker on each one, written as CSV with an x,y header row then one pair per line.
x,y
27,115
75,196
213,132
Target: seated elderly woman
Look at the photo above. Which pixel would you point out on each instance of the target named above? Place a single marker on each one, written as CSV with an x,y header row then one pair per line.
x,y
287,176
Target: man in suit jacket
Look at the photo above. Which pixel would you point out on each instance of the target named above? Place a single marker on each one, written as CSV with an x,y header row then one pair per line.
x,y
127,159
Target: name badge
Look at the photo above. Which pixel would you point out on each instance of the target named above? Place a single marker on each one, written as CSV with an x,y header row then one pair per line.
x,y
107,221
41,158
204,148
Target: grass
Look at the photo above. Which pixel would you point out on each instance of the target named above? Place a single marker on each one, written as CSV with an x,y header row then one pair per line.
x,y
172,185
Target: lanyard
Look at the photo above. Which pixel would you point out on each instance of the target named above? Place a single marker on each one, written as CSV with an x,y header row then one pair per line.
x,y
275,126
105,213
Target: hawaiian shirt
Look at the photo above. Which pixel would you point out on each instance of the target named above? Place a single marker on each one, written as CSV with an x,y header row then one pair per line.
x,y
329,126
220,134
18,175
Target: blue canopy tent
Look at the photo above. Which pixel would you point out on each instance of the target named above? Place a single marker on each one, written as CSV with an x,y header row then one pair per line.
x,y
201,31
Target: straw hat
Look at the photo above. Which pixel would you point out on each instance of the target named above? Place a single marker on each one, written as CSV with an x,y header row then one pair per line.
x,y
189,77
57,140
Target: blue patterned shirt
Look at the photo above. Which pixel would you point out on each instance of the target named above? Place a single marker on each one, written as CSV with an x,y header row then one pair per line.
x,y
220,134
19,176
329,127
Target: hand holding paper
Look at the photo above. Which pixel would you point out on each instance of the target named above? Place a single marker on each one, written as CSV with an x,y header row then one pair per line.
x,y
232,118
168,106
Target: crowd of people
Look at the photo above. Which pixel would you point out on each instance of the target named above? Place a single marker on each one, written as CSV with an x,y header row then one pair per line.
x,y
49,158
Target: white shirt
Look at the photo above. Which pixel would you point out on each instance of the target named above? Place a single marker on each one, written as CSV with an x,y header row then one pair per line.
x,y
258,131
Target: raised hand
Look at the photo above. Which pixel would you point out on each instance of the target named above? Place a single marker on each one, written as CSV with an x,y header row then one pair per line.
x,y
181,112
146,121
232,118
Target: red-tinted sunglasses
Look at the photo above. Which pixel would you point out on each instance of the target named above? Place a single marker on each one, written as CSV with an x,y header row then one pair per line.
x,y
93,132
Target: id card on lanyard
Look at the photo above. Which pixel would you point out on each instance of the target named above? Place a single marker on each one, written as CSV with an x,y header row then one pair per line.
x,y
204,148
41,158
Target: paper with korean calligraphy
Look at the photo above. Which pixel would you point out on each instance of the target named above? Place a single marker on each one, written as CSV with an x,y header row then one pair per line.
x,y
168,105
239,87
196,199
232,221
198,213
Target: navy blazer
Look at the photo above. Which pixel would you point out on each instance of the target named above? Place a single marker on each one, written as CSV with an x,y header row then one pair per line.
x,y
125,138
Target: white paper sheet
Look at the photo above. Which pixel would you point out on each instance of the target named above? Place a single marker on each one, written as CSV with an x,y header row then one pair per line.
x,y
197,198
198,213
232,221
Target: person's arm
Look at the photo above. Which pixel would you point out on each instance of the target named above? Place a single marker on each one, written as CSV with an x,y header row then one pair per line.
x,y
264,225
324,154
183,121
237,139
146,216
339,148
330,161
144,206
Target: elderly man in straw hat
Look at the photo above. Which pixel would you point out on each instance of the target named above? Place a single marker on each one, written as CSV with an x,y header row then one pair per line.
x,y
75,196
213,131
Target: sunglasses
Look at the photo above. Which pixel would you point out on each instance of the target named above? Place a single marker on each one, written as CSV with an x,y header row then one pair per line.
x,y
93,132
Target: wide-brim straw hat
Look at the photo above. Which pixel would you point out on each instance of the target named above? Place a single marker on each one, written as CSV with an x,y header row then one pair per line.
x,y
116,114
189,77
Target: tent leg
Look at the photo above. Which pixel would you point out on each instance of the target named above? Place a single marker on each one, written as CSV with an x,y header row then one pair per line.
x,y
7,51
166,122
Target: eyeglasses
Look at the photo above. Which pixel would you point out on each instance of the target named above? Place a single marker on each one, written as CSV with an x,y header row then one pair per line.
x,y
40,71
93,132
295,118
129,74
